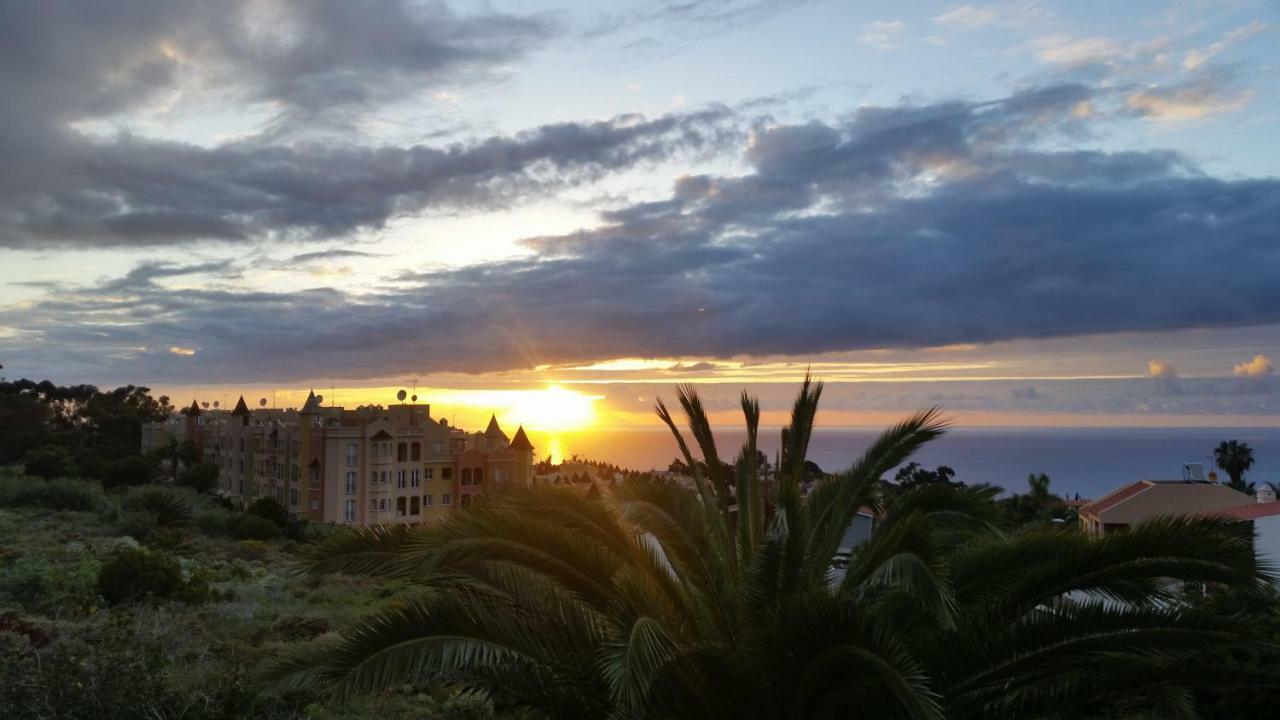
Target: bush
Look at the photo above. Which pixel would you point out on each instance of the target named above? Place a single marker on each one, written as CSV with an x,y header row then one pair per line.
x,y
132,470
49,462
270,509
137,525
252,527
61,584
171,508
212,523
201,477
139,574
52,494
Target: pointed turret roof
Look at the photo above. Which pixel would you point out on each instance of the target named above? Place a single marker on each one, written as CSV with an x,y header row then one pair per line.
x,y
194,410
312,405
241,408
493,431
521,441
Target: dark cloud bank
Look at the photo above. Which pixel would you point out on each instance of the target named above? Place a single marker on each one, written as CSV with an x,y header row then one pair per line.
x,y
904,226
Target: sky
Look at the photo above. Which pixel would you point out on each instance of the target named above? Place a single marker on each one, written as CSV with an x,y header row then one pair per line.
x,y
1027,212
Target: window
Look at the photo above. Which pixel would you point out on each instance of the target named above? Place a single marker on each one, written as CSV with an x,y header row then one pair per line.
x,y
402,452
429,473
351,482
293,497
438,447
445,499
426,500
383,477
446,473
477,476
415,478
466,476
349,514
352,453
400,476
315,503
413,506
373,505
400,507
466,500
382,505
415,452
314,474
373,477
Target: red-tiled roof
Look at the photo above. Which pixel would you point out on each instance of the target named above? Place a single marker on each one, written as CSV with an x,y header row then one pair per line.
x,y
1115,497
1251,512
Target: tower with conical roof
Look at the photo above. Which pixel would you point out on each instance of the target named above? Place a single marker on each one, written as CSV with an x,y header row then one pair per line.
x,y
192,425
493,435
522,450
308,459
242,411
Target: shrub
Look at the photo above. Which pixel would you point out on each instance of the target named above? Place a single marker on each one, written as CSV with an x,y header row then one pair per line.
x,y
251,550
60,584
252,527
48,462
171,508
467,706
131,470
212,523
52,494
139,574
270,509
70,495
201,477
137,525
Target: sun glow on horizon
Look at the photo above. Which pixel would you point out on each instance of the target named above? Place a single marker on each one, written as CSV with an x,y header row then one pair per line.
x,y
554,408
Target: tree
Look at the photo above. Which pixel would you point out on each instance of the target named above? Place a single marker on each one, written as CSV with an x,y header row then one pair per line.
x,y
132,470
721,601
49,462
1235,458
201,477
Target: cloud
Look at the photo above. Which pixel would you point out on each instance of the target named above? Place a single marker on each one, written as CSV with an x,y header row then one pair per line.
x,y
968,215
129,191
1071,51
1161,369
306,68
702,366
1259,366
883,34
968,16
335,254
1204,95
1026,393
84,59
1197,57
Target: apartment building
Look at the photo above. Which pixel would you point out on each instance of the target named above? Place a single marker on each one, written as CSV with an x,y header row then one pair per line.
x,y
363,466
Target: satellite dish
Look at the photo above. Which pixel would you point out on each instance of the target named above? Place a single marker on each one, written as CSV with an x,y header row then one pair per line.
x,y
215,404
262,402
401,395
414,398
319,398
205,404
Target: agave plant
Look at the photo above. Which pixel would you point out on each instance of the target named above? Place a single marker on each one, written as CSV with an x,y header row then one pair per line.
x,y
720,601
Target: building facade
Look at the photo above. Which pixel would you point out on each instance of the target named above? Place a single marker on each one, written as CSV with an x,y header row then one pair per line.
x,y
363,466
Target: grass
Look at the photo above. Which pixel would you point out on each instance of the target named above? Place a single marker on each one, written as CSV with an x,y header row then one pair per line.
x,y
69,654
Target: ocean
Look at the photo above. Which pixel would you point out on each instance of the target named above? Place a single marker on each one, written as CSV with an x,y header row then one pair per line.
x,y
1087,461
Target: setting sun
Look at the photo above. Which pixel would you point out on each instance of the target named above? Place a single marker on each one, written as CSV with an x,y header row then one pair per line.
x,y
554,408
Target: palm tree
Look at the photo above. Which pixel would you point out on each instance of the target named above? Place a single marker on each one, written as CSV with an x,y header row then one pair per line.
x,y
720,600
1234,458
